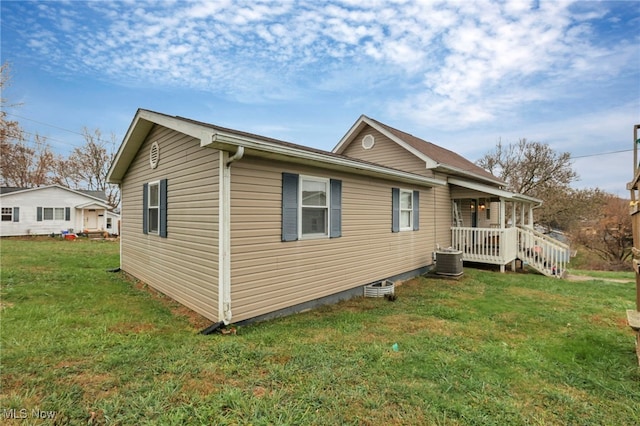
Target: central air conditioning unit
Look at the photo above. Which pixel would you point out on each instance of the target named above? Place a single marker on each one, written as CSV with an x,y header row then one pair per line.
x,y
449,262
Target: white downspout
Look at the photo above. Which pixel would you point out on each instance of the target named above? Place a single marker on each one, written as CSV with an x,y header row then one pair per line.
x,y
224,235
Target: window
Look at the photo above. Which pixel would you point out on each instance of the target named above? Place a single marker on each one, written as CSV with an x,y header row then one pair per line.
x,y
7,214
405,212
154,208
314,211
311,207
53,213
109,223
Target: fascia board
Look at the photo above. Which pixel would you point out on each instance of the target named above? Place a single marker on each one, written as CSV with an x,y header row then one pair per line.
x,y
427,160
466,173
138,131
355,128
511,196
40,188
228,142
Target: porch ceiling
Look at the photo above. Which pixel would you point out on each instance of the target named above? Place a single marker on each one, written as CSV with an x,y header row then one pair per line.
x,y
505,195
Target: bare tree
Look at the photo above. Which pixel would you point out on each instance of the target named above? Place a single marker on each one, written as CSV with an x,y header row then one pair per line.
x,y
534,169
609,234
88,165
9,129
25,166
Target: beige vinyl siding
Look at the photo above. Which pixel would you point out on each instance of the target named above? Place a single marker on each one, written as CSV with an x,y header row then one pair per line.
x,y
268,274
387,153
185,264
443,216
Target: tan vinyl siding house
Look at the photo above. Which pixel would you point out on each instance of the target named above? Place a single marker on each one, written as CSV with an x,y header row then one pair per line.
x,y
183,266
268,274
239,227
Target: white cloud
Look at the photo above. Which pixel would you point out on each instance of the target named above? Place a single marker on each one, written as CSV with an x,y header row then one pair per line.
x,y
453,63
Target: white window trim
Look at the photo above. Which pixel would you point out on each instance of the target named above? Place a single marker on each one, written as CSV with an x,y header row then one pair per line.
x,y
10,214
410,209
327,184
149,207
53,214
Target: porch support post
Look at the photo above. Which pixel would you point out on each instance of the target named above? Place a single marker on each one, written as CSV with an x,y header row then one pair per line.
x,y
513,214
530,216
503,212
522,214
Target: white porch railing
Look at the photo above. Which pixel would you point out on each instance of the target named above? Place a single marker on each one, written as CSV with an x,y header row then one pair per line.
x,y
486,245
548,255
503,245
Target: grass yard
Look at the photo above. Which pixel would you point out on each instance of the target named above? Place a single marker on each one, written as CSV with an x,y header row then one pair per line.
x,y
92,347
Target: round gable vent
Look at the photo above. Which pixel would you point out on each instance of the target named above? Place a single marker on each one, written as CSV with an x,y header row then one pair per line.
x,y
154,155
368,141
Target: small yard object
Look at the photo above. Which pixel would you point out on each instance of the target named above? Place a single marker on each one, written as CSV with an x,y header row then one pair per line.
x,y
379,289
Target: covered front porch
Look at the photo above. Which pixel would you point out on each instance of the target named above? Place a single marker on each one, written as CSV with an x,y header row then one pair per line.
x,y
494,226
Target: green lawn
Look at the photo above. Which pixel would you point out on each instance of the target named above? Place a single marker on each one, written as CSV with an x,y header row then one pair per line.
x,y
503,349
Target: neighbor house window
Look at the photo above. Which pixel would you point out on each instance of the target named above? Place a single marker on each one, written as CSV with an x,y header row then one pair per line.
x,y
311,207
405,211
109,223
7,214
53,213
154,210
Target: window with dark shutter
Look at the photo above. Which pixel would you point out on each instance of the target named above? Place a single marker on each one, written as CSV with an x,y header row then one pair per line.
x,y
163,209
336,209
405,214
145,213
311,207
289,207
416,210
395,209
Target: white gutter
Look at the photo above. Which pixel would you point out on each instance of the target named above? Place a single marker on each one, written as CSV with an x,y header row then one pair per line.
x,y
227,142
224,234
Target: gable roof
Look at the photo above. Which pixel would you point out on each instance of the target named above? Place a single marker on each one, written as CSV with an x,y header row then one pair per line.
x,y
93,195
230,140
435,157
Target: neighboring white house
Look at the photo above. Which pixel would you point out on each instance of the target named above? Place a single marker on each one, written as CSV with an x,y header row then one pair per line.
x,y
54,209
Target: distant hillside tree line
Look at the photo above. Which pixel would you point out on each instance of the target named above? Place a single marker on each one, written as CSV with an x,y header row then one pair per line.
x,y
598,221
28,161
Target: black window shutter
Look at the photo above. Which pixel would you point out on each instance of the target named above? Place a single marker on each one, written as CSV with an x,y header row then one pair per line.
x,y
67,213
416,210
16,214
395,209
336,209
289,207
145,208
39,214
163,209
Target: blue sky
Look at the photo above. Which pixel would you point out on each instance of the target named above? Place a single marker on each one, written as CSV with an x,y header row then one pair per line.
x,y
461,74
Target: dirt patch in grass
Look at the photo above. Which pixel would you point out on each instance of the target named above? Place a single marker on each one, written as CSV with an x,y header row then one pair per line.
x,y
208,382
